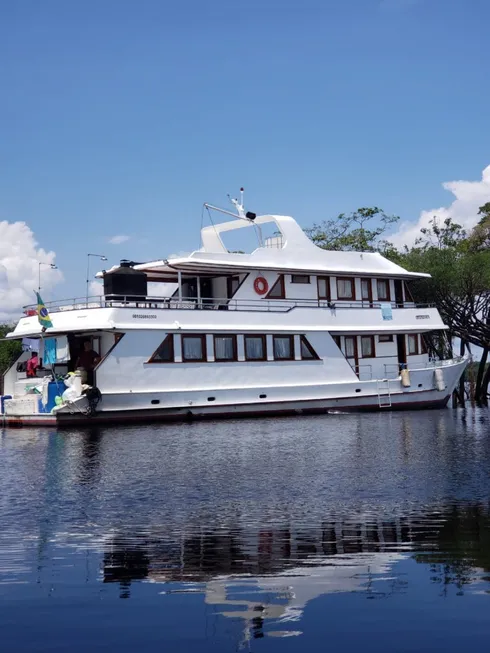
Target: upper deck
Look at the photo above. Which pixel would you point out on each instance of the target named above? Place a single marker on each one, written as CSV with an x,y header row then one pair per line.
x,y
290,250
313,287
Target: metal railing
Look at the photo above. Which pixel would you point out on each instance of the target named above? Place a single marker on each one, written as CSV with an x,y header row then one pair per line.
x,y
211,303
392,370
364,372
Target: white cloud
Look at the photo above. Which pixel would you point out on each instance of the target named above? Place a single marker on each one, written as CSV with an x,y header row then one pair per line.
x,y
19,269
95,289
469,196
117,240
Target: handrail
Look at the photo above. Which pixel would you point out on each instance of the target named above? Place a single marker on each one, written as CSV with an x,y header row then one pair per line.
x,y
363,369
211,303
432,363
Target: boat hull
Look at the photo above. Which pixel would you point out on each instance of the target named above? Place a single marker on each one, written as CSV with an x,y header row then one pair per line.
x,y
409,401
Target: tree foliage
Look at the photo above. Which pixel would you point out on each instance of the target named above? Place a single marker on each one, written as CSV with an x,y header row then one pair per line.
x,y
359,231
9,350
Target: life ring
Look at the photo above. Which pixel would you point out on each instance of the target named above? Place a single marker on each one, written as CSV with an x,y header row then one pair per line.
x,y
261,286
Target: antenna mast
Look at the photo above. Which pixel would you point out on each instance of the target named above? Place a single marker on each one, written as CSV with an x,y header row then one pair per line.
x,y
241,214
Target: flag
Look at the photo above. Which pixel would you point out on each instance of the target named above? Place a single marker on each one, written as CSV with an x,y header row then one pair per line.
x,y
43,313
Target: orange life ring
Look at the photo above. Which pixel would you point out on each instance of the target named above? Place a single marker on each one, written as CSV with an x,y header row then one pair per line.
x,y
261,286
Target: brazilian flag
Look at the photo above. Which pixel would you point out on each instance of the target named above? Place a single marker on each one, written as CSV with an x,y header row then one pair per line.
x,y
43,313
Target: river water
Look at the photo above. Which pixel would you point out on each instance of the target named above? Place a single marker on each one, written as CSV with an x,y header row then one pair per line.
x,y
345,532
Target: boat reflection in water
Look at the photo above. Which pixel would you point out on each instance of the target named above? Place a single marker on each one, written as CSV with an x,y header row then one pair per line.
x,y
268,577
371,529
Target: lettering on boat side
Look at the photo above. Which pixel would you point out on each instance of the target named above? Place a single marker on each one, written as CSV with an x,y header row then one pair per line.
x,y
422,317
139,316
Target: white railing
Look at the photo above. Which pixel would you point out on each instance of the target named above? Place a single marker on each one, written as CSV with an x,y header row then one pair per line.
x,y
392,370
214,303
364,372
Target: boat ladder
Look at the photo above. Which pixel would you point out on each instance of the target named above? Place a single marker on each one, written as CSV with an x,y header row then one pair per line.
x,y
384,393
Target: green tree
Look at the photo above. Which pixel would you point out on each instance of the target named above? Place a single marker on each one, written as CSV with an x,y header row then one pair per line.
x,y
10,350
359,231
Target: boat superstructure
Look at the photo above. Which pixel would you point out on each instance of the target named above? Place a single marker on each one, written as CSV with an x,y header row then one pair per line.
x,y
288,328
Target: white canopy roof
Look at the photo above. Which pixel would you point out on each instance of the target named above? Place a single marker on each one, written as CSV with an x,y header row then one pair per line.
x,y
297,254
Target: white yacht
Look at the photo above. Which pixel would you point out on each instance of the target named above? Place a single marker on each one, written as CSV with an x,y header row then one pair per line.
x,y
287,329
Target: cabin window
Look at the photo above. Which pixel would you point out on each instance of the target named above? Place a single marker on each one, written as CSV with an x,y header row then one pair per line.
x,y
366,294
350,346
323,288
345,288
367,346
336,339
194,348
423,344
307,351
165,352
408,293
277,291
383,290
225,348
385,337
283,347
413,344
300,278
255,348
232,285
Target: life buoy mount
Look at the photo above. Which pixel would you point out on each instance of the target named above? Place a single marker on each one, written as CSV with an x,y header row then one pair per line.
x,y
261,286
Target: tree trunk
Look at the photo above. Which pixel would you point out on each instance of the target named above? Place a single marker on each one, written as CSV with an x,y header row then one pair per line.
x,y
462,347
484,385
480,395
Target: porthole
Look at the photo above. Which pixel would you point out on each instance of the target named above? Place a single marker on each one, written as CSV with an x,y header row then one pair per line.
x,y
262,396
211,398
155,401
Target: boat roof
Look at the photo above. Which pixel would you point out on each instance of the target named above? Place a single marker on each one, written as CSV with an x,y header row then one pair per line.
x,y
292,252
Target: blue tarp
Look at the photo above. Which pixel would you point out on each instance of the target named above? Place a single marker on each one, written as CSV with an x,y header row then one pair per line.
x,y
386,311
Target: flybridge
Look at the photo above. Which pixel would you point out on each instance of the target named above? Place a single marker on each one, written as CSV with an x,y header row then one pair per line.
x,y
293,251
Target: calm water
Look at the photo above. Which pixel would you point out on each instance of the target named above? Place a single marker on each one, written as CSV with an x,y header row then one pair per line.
x,y
341,532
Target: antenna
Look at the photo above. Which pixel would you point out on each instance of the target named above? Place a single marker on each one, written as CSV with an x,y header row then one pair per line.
x,y
248,216
239,205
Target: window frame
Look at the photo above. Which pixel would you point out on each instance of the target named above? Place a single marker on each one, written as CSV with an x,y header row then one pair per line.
x,y
353,282
291,346
369,298
373,347
202,337
235,348
303,340
388,287
327,285
295,277
279,282
263,337
355,355
408,293
387,337
170,337
417,348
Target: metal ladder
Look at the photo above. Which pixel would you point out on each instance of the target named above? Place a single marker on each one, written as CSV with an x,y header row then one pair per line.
x,y
384,393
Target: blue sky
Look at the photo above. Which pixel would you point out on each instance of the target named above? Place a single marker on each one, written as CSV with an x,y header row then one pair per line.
x,y
124,116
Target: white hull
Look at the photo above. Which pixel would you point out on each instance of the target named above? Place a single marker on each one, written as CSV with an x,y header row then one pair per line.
x,y
227,403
